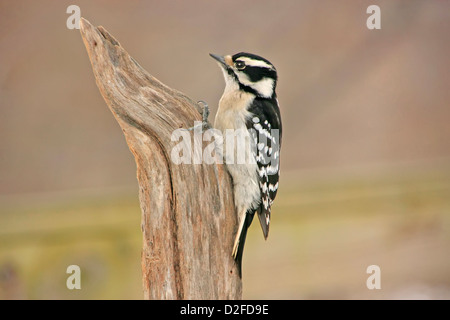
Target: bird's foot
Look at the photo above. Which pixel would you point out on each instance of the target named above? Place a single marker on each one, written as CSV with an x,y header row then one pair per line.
x,y
205,115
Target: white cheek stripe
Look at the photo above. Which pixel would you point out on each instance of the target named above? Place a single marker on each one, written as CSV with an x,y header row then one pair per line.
x,y
264,87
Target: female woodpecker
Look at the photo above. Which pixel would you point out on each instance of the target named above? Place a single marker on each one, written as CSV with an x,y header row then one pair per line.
x,y
249,104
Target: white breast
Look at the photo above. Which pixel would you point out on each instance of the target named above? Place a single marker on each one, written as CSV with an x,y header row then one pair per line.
x,y
233,114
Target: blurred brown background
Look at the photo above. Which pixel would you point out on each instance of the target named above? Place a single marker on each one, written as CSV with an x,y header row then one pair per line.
x,y
365,159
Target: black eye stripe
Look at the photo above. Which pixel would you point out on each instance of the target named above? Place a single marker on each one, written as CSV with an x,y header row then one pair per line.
x,y
257,73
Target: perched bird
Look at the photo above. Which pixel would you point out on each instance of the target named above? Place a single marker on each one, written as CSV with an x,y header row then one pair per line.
x,y
249,103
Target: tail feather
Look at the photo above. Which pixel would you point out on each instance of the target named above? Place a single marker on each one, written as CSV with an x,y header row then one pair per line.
x,y
264,221
242,234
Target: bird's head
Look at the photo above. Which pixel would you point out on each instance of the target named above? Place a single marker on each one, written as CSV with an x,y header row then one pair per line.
x,y
248,72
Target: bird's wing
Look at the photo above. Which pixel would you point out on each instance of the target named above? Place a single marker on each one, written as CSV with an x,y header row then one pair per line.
x,y
265,127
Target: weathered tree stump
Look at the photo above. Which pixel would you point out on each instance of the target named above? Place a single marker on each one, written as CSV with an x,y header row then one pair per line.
x,y
188,215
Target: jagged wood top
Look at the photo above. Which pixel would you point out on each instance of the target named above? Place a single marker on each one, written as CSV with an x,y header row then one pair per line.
x,y
188,216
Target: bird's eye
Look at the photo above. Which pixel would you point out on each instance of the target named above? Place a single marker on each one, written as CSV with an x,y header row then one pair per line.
x,y
240,65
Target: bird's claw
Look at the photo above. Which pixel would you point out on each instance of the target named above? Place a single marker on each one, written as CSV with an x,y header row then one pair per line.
x,y
205,115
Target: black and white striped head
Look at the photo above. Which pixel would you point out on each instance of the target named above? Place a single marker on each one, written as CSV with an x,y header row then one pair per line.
x,y
248,72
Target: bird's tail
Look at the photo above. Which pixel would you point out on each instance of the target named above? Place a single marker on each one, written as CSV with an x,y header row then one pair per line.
x,y
241,235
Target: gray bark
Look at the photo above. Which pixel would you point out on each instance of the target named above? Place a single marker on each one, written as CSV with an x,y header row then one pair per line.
x,y
188,215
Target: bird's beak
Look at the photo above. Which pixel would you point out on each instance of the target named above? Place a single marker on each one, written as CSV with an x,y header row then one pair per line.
x,y
221,59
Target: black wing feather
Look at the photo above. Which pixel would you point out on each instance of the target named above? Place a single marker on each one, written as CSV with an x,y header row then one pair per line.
x,y
265,118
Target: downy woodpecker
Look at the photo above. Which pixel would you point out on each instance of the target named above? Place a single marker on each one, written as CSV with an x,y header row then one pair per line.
x,y
249,103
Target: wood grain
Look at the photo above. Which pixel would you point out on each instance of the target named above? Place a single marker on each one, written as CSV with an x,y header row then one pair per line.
x,y
188,216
